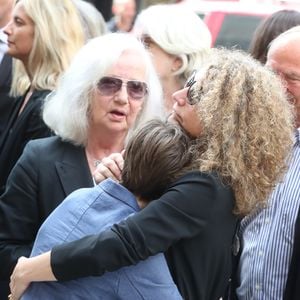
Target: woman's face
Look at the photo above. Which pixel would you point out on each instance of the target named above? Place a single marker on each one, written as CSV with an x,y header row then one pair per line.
x,y
165,64
186,114
20,34
117,111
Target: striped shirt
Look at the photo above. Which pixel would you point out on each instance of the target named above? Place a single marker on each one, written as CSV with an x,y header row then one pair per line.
x,y
268,236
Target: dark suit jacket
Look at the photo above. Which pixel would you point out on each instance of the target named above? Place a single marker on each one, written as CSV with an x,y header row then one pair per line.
x,y
20,129
192,221
6,102
292,289
48,171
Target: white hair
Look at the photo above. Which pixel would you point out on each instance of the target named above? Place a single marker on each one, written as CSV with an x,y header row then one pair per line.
x,y
66,110
178,31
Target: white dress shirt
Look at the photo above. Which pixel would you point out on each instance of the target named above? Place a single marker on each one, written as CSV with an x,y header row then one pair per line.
x,y
3,44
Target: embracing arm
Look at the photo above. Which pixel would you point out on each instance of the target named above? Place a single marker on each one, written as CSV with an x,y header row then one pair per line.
x,y
181,213
27,270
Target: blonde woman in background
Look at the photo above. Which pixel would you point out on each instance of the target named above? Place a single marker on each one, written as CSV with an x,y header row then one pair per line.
x,y
178,41
43,37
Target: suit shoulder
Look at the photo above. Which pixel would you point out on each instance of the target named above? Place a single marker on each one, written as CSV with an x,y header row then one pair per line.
x,y
47,144
198,176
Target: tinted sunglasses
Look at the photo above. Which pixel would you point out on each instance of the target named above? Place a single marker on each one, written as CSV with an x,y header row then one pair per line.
x,y
108,86
190,82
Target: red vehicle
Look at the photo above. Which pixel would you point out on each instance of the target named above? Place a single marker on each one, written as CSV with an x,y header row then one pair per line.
x,y
233,23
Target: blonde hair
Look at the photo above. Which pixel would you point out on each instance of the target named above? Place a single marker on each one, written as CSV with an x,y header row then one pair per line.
x,y
247,126
58,35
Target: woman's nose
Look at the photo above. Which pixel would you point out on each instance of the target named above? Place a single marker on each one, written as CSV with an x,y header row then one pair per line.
x,y
122,94
7,28
180,96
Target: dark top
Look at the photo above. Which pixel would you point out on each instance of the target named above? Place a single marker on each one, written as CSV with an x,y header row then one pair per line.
x,y
6,102
19,130
192,223
292,290
48,171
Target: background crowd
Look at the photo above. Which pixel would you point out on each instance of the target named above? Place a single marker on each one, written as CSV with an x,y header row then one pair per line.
x,y
134,152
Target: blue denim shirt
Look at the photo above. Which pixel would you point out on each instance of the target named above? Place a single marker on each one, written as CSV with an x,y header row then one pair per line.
x,y
89,211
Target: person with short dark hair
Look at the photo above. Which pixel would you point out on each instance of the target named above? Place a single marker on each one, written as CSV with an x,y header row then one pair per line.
x,y
157,145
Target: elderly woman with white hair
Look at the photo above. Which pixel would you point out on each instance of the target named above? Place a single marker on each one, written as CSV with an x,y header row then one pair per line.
x,y
178,41
110,87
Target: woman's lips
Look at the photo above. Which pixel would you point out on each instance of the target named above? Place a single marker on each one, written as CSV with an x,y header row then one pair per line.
x,y
118,115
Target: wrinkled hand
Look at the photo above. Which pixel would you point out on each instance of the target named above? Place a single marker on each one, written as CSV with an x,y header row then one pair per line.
x,y
18,282
110,167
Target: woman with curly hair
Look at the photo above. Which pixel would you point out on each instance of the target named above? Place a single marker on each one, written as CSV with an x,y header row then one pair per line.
x,y
237,112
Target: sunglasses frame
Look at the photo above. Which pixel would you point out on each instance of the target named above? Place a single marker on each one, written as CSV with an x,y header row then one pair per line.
x,y
189,84
118,82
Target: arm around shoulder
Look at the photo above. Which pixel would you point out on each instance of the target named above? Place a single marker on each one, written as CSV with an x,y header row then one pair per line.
x,y
181,213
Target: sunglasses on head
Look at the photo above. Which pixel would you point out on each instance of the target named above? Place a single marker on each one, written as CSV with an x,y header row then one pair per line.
x,y
147,41
190,82
108,86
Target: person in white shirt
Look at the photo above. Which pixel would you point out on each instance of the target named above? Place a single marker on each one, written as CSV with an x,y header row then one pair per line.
x,y
6,7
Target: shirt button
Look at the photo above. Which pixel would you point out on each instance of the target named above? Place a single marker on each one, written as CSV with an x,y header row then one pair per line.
x,y
260,253
257,287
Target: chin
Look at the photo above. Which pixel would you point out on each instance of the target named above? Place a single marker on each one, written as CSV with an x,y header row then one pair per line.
x,y
172,118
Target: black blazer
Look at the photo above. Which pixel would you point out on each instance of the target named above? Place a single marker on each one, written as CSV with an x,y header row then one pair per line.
x,y
292,289
6,102
48,171
19,130
192,221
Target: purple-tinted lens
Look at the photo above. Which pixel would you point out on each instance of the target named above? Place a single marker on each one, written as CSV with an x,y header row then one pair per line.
x,y
108,86
136,89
